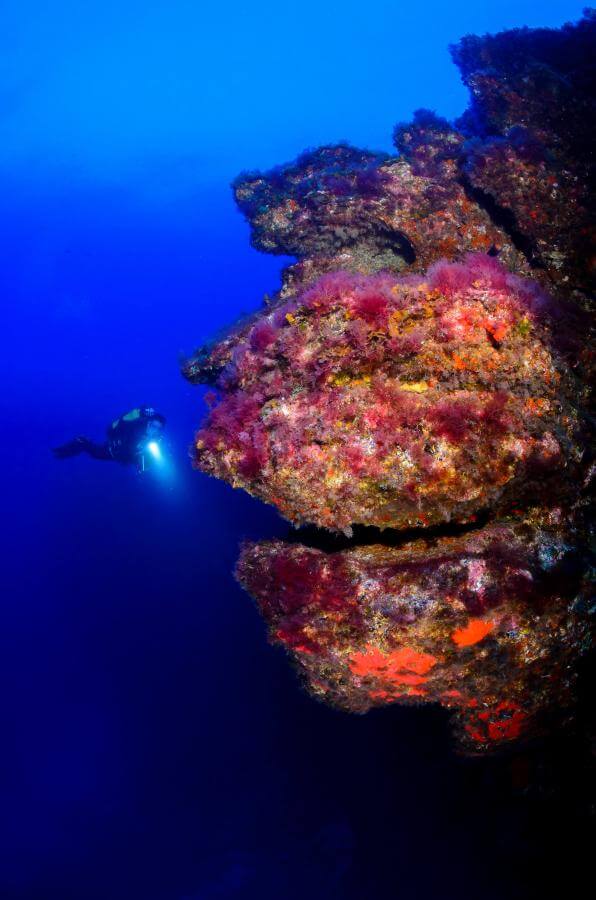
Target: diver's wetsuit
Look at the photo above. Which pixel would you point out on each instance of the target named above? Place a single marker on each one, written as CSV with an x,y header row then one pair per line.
x,y
127,436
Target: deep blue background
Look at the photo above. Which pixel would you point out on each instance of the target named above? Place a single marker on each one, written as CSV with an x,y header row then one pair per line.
x,y
153,745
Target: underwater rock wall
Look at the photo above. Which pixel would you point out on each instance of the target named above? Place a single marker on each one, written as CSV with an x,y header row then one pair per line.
x,y
427,364
401,401
481,623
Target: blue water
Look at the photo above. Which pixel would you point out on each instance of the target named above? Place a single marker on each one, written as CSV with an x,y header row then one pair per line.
x,y
154,747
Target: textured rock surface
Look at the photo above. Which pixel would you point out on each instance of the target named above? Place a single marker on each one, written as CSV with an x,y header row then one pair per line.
x,y
399,402
481,623
344,208
514,177
532,120
427,360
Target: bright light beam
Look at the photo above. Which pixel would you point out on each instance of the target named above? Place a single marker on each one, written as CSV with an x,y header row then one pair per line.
x,y
154,449
162,469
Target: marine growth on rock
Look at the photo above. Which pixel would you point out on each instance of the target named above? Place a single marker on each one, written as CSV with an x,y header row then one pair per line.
x,y
424,371
482,623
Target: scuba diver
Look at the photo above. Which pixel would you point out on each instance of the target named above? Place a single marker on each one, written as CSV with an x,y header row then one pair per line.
x,y
132,438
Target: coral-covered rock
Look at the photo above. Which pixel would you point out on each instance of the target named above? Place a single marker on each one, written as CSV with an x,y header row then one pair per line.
x,y
427,360
481,623
343,208
532,124
400,402
513,178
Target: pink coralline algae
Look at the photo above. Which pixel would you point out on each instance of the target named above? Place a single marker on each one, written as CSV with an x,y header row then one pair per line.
x,y
426,364
340,207
481,623
399,401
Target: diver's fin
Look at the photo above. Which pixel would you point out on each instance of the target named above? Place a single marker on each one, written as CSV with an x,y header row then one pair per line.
x,y
72,448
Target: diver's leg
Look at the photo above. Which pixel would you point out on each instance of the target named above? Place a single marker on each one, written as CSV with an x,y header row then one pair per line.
x,y
81,445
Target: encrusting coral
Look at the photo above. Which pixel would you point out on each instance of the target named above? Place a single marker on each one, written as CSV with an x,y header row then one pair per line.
x,y
399,401
482,623
427,362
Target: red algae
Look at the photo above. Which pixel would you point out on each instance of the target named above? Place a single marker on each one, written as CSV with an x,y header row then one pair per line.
x,y
427,363
404,632
382,402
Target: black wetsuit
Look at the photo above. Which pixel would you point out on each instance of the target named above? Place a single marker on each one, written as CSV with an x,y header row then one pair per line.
x,y
126,437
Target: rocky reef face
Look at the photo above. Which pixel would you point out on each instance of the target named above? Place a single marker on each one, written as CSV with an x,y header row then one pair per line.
x,y
400,401
483,623
532,132
427,364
